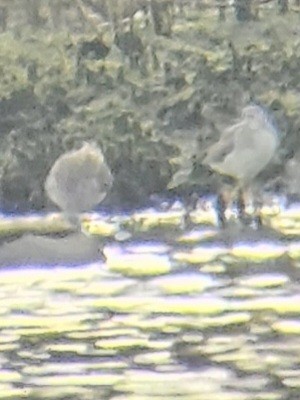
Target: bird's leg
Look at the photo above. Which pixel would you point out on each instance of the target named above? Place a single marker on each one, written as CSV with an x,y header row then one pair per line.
x,y
74,220
257,206
249,204
189,207
257,220
241,205
221,208
223,201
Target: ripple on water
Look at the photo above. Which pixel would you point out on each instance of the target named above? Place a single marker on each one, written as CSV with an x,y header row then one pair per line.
x,y
164,315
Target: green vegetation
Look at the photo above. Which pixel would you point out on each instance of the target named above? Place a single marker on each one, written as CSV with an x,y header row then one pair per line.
x,y
154,105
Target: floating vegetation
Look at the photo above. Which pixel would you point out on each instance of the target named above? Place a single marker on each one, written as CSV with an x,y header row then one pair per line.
x,y
257,253
139,265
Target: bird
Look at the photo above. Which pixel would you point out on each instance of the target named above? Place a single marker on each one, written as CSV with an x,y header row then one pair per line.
x,y
78,181
244,149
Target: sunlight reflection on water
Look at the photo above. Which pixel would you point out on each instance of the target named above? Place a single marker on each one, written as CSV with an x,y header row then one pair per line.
x,y
168,305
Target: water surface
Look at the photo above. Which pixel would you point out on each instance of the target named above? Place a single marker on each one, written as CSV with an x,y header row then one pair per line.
x,y
178,309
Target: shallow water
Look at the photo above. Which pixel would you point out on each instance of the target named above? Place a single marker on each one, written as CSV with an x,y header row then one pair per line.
x,y
186,311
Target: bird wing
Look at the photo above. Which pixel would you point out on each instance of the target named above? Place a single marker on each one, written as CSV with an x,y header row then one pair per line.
x,y
247,136
220,150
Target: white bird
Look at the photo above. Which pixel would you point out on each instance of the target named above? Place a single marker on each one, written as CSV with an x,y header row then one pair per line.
x,y
245,149
79,180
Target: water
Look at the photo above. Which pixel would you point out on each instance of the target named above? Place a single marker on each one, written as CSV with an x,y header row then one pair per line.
x,y
191,313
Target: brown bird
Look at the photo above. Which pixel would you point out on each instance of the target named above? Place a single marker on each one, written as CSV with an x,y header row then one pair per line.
x,y
79,180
